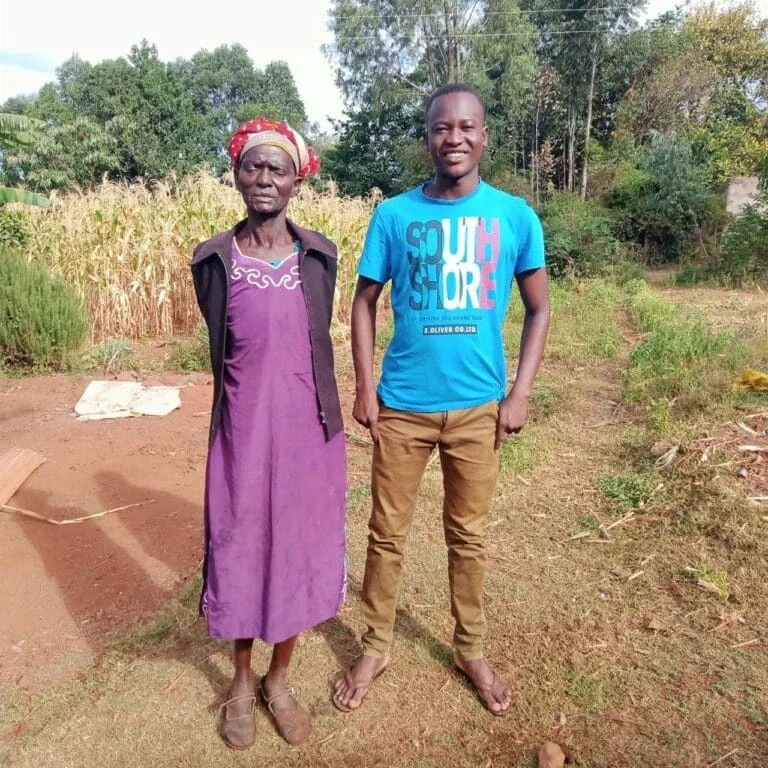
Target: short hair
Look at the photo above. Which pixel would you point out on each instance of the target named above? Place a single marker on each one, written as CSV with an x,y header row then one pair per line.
x,y
453,88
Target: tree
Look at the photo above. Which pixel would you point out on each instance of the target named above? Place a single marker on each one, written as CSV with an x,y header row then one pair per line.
x,y
155,118
281,93
76,154
421,44
18,131
390,54
709,84
632,58
575,38
371,147
676,94
666,203
502,63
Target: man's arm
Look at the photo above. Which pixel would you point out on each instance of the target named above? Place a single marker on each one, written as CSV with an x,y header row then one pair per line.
x,y
366,408
513,412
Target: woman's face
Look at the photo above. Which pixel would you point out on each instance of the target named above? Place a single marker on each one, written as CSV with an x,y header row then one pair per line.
x,y
267,180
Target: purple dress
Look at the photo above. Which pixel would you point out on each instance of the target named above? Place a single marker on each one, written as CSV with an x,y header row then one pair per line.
x,y
275,488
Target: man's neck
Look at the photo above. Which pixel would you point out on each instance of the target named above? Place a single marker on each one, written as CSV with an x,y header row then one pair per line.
x,y
447,188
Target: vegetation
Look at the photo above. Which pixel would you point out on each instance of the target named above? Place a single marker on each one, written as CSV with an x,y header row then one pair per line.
x,y
641,125
682,368
18,131
41,321
141,118
125,250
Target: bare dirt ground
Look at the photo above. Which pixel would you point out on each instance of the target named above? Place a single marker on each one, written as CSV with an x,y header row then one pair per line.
x,y
69,591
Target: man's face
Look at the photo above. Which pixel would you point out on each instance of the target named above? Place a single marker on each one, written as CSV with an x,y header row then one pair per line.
x,y
456,134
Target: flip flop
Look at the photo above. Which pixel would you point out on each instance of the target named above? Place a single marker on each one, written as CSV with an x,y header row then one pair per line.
x,y
361,686
294,726
485,690
239,732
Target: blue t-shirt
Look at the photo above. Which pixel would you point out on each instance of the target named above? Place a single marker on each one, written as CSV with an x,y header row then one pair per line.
x,y
452,264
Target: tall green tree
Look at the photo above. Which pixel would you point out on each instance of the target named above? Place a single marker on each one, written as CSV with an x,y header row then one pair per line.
x,y
156,118
18,131
502,63
390,54
420,44
575,38
77,154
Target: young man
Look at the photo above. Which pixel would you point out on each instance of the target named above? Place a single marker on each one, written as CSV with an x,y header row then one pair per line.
x,y
452,249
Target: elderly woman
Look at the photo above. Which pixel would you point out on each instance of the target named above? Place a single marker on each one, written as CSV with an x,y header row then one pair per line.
x,y
275,483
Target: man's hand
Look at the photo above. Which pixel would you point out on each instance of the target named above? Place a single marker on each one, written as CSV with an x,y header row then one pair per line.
x,y
513,413
366,412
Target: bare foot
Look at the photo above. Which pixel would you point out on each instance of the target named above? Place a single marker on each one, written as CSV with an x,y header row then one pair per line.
x,y
489,686
351,689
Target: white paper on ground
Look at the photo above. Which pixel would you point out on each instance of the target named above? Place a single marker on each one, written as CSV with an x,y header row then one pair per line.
x,y
119,399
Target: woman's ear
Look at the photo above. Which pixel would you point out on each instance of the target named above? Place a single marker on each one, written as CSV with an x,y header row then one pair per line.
x,y
296,186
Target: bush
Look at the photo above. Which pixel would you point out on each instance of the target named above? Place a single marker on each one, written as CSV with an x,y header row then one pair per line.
x,y
512,182
665,204
13,229
744,251
579,236
41,320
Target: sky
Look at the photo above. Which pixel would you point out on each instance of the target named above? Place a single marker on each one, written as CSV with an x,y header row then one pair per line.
x,y
35,38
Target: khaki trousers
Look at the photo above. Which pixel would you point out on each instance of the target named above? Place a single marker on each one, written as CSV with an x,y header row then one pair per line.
x,y
470,467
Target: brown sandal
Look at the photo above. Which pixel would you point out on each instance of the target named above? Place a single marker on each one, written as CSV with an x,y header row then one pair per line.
x,y
361,686
239,732
294,726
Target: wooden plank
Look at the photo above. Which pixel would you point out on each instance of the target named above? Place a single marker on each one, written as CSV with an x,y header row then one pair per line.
x,y
16,465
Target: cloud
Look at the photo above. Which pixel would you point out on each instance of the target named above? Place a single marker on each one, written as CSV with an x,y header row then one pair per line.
x,y
16,81
33,62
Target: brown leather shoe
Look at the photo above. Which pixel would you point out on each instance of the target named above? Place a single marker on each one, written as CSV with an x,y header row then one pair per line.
x,y
238,732
294,726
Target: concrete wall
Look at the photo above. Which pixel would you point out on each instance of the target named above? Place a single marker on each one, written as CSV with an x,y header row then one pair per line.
x,y
740,191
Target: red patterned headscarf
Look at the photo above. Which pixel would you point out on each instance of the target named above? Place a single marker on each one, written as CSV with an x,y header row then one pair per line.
x,y
274,133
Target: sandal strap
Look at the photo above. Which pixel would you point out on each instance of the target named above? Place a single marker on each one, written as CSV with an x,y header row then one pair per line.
x,y
245,697
358,686
362,686
269,700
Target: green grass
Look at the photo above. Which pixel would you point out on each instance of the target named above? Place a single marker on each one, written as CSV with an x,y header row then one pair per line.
x,y
682,368
384,333
627,491
713,580
358,495
590,691
191,353
110,356
521,453
583,326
